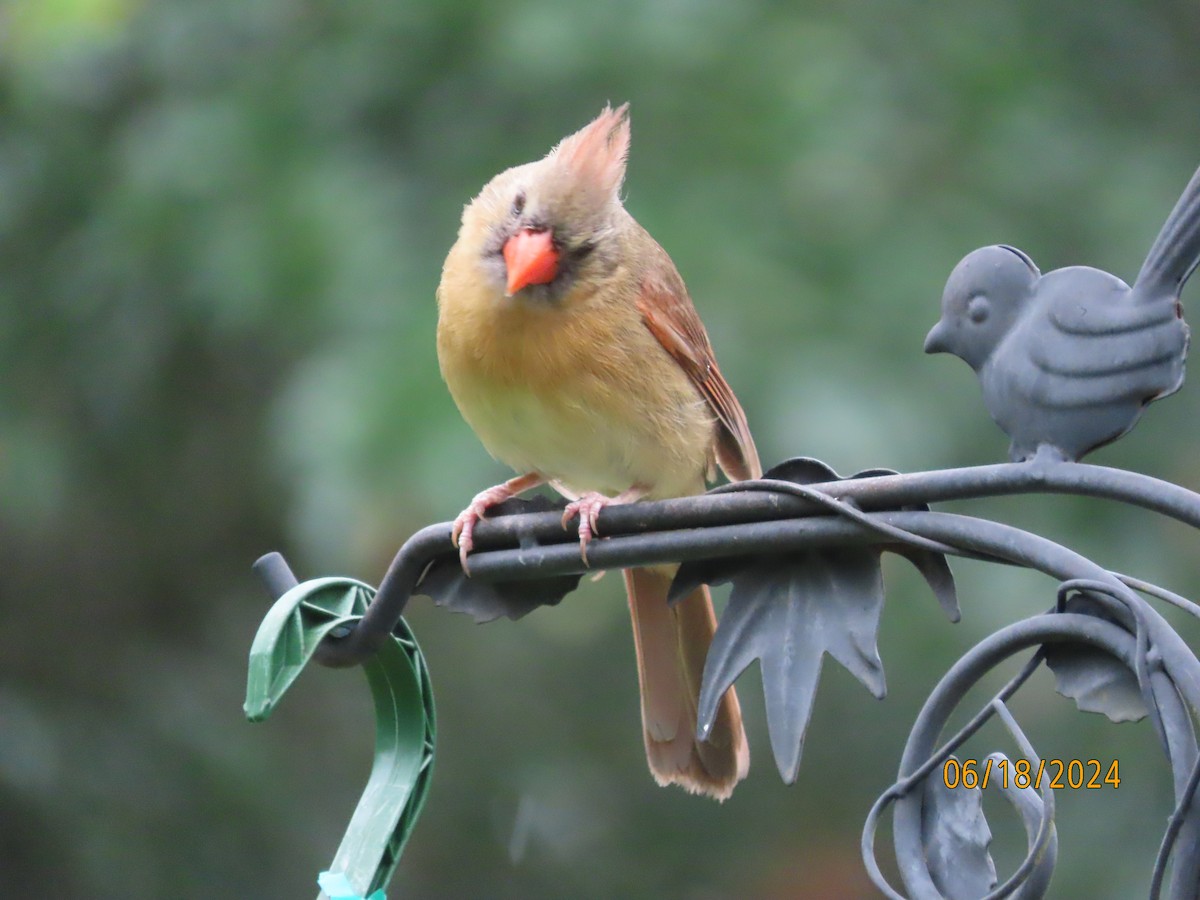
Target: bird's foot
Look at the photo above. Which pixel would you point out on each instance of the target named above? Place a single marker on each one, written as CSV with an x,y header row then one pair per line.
x,y
1046,456
464,523
588,507
462,533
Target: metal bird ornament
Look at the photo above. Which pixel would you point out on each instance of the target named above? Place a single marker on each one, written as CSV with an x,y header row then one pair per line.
x,y
1068,360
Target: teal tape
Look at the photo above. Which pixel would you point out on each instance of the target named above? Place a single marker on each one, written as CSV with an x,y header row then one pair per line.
x,y
337,886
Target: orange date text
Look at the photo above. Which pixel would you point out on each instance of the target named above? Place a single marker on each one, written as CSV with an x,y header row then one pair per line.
x,y
1056,774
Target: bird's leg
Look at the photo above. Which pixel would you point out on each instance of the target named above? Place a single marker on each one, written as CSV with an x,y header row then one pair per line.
x,y
588,507
464,524
1046,456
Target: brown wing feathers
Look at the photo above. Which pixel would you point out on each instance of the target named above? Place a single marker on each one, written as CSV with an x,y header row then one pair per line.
x,y
673,320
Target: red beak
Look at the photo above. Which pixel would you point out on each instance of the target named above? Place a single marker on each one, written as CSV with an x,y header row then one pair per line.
x,y
530,258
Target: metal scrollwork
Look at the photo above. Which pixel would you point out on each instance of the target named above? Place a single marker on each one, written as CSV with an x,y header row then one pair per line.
x,y
1067,362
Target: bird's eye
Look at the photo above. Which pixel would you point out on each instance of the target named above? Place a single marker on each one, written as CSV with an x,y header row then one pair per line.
x,y
518,203
978,309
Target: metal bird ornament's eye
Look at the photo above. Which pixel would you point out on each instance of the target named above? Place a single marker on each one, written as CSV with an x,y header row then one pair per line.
x,y
518,204
978,309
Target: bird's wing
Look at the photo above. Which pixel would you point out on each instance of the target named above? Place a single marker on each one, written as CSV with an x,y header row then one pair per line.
x,y
1106,350
671,318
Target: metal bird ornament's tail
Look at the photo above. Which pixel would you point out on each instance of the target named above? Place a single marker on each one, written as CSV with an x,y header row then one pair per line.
x,y
1176,250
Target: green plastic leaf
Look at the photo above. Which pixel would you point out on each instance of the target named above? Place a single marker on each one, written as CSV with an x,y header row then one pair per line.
x,y
405,724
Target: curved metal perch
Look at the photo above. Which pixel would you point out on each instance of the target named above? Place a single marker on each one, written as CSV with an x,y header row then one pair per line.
x,y
518,547
769,534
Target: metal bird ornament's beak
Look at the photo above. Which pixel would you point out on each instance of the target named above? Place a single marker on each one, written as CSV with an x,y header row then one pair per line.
x,y
935,341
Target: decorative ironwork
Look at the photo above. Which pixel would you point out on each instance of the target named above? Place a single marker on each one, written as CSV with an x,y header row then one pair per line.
x,y
1067,362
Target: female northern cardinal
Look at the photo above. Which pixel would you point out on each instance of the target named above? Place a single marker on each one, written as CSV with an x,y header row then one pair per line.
x,y
570,345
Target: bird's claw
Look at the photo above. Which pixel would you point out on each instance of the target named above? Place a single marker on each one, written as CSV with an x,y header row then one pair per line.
x,y
588,509
460,534
463,531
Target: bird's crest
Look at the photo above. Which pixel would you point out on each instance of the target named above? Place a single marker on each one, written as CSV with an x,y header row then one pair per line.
x,y
596,153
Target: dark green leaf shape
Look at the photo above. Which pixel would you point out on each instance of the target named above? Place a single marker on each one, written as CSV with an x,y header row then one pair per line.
x,y
789,611
405,721
956,838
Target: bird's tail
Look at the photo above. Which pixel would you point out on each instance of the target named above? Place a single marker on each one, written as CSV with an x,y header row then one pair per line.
x,y
671,644
1176,250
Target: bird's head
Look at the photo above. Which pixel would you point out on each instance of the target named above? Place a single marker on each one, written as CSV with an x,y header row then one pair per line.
x,y
983,298
544,226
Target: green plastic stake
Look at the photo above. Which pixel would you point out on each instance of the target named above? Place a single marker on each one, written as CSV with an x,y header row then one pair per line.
x,y
405,725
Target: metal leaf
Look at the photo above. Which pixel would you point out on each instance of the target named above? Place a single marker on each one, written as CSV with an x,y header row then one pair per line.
x,y
805,470
789,611
933,566
788,614
936,571
1030,807
691,575
956,838
1097,682
798,470
446,584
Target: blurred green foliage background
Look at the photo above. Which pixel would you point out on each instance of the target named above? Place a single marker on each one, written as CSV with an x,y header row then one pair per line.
x,y
221,227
